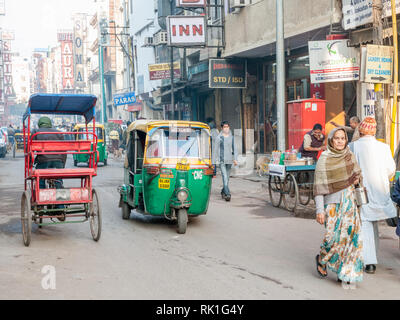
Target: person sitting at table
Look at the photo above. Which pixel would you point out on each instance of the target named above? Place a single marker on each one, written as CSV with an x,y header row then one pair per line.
x,y
313,143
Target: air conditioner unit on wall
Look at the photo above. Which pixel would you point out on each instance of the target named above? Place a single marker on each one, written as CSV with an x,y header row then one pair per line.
x,y
148,42
239,3
161,38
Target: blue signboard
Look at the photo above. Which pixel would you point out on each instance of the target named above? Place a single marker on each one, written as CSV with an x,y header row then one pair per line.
x,y
124,99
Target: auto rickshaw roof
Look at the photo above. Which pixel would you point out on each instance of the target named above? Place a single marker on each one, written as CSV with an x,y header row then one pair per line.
x,y
148,125
68,104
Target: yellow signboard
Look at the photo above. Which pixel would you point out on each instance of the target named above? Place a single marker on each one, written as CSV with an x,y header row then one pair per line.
x,y
164,184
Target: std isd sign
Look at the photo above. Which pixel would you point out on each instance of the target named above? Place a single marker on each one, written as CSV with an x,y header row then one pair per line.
x,y
225,73
124,99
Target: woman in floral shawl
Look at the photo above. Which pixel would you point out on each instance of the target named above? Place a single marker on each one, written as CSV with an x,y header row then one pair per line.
x,y
336,174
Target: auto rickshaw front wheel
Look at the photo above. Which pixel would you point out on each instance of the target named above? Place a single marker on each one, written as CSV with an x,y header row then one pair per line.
x,y
26,218
126,211
182,221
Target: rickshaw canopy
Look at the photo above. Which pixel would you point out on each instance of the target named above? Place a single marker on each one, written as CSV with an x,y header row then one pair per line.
x,y
68,104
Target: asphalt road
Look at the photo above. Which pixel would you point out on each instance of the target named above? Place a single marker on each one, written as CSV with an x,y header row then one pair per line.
x,y
245,249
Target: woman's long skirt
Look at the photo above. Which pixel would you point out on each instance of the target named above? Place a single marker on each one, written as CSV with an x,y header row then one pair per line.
x,y
341,249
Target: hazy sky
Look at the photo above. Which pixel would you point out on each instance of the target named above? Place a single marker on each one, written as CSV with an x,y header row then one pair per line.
x,y
36,22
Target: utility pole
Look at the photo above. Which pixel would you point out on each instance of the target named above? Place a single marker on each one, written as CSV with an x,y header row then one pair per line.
x,y
377,39
280,79
103,91
172,70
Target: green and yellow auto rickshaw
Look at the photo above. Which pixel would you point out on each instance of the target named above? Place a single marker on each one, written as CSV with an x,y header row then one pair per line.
x,y
101,144
168,170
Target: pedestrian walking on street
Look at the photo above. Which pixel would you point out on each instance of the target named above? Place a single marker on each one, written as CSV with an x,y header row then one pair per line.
x,y
313,143
378,167
353,129
226,156
336,174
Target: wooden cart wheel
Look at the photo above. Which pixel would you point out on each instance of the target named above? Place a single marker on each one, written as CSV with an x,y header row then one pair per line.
x,y
305,192
26,218
275,190
182,221
95,217
291,191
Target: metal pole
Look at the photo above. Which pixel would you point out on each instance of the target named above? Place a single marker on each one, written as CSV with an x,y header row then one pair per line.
x,y
103,90
377,39
172,81
280,79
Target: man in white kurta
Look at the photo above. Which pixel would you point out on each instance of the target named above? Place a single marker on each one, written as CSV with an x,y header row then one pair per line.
x,y
378,167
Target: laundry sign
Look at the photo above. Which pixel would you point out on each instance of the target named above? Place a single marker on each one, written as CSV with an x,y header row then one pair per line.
x,y
379,64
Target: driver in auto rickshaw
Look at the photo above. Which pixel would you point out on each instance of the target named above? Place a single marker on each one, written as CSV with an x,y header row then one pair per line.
x,y
50,161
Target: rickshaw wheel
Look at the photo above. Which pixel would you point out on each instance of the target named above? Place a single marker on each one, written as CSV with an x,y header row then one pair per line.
x,y
291,190
105,162
305,192
275,192
95,217
26,218
75,163
182,221
126,211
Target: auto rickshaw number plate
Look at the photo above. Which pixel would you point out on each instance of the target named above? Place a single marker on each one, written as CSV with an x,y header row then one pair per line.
x,y
182,167
164,183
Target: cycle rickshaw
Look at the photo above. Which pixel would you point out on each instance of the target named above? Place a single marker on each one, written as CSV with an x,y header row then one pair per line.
x,y
68,205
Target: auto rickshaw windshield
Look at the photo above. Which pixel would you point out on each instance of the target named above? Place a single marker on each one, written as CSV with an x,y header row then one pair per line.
x,y
179,143
99,133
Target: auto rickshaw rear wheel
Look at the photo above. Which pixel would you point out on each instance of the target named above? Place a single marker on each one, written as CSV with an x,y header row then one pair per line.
x,y
26,218
182,221
126,211
95,217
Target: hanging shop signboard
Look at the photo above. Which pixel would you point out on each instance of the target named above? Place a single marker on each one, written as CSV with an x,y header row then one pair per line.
x,y
368,98
333,61
124,99
186,31
162,71
79,67
2,7
356,13
190,3
67,60
225,73
387,8
379,64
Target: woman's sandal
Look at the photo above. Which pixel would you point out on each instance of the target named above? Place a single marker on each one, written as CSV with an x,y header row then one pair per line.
x,y
319,265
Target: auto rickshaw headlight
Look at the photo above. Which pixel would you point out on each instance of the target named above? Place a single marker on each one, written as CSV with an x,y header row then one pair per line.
x,y
182,195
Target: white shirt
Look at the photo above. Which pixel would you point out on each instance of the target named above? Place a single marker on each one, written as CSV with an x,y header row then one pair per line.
x,y
378,166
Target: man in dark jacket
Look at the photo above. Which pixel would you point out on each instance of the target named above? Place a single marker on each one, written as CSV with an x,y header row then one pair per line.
x,y
51,161
396,199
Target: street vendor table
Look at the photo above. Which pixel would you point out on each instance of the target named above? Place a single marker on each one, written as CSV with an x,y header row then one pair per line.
x,y
292,185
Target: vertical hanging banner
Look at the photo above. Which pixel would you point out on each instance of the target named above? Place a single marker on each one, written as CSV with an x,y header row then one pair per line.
x,y
7,70
368,98
67,61
79,31
2,7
